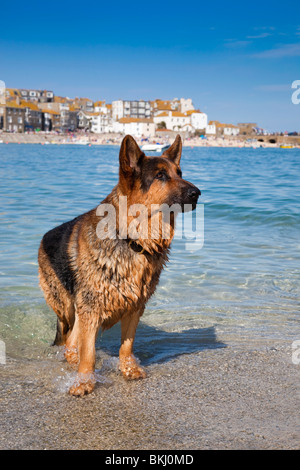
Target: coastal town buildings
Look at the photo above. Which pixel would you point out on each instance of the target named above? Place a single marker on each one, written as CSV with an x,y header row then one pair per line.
x,y
68,121
97,122
137,109
83,120
186,105
32,110
135,126
66,109
33,116
218,129
14,117
193,124
173,120
51,120
230,130
132,109
40,96
189,121
211,128
37,96
198,119
101,123
164,106
101,107
117,109
181,105
83,104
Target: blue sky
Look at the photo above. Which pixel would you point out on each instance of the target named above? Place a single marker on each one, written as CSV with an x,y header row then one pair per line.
x,y
236,61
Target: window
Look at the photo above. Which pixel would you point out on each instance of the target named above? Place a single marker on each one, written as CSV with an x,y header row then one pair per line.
x,y
20,120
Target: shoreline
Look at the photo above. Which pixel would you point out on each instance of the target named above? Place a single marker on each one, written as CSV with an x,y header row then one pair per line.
x,y
116,139
216,343
223,398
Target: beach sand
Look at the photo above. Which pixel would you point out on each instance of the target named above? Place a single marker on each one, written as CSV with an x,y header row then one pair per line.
x,y
226,398
116,139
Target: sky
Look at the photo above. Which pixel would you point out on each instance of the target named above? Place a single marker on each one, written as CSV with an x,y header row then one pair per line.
x,y
236,60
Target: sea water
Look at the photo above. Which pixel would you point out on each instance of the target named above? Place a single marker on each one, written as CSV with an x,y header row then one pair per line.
x,y
240,285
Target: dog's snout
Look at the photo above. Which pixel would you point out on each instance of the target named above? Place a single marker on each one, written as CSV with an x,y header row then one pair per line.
x,y
194,193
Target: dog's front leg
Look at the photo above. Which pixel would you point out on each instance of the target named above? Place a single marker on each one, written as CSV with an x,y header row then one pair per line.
x,y
88,327
128,364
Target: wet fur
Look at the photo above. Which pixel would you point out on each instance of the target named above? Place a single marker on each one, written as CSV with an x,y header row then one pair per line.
x,y
92,283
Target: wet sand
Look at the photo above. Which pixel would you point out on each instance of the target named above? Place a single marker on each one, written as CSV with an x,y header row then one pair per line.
x,y
226,398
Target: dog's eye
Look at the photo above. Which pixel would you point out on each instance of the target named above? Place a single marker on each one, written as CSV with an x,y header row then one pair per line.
x,y
161,175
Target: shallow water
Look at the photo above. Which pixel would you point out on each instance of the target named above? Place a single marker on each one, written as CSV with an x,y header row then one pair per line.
x,y
242,286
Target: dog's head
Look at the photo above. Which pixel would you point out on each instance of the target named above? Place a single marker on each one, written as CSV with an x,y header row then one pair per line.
x,y
155,180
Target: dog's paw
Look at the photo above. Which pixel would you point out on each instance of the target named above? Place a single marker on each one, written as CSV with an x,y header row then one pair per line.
x,y
71,355
84,384
134,373
130,368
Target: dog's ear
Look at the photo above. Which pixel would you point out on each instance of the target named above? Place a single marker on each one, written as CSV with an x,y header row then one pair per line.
x,y
130,155
174,152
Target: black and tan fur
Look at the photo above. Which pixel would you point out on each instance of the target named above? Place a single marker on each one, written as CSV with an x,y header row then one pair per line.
x,y
92,283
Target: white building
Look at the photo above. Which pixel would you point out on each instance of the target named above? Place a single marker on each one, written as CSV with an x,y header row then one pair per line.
x,y
186,105
217,128
135,127
189,121
101,123
100,107
187,128
174,120
230,129
117,109
211,128
162,106
98,123
198,119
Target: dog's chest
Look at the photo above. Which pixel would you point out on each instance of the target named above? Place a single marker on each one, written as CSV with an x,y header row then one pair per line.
x,y
120,281
131,278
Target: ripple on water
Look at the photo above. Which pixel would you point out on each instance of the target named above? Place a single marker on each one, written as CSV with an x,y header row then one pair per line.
x,y
244,282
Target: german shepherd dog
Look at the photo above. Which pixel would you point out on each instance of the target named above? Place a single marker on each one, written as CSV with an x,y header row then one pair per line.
x,y
93,282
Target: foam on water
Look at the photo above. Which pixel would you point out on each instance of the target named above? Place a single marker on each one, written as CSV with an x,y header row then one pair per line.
x,y
62,383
